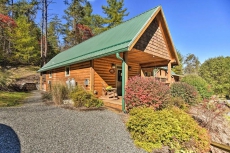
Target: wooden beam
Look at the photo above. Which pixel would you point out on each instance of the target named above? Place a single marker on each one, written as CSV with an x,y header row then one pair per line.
x,y
169,72
92,76
155,64
125,57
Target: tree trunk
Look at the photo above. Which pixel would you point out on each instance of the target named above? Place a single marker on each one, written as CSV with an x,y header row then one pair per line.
x,y
45,26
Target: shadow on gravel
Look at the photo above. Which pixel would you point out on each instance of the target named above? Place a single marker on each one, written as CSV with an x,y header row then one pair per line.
x,y
9,141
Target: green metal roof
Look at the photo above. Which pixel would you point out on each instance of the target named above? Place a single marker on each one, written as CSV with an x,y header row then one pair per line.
x,y
115,40
172,72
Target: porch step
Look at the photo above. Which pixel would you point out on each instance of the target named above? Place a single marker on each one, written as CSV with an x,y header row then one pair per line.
x,y
113,106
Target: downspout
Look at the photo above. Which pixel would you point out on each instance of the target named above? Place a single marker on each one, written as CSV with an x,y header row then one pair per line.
x,y
123,81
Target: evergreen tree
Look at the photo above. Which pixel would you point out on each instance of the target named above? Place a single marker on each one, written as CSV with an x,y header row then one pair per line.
x,y
26,8
95,22
115,13
74,14
25,42
54,31
179,69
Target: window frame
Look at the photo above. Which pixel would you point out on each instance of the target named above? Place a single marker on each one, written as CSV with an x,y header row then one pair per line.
x,y
50,74
66,71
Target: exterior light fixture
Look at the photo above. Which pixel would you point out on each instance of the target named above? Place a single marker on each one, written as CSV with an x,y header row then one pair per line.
x,y
113,66
130,68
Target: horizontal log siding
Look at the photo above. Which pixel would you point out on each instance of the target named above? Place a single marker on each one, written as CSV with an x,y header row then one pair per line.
x,y
136,69
152,41
79,72
104,78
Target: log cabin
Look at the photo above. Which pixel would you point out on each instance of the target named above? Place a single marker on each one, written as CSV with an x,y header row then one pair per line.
x,y
110,58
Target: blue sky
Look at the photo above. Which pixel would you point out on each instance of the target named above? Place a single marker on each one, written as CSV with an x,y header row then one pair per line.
x,y
198,27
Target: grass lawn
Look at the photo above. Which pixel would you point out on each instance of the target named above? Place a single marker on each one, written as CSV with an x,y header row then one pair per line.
x,y
12,98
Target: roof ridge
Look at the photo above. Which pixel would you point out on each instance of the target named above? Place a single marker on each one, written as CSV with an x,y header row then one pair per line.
x,y
115,26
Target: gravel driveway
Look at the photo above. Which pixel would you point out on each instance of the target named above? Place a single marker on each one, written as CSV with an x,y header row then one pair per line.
x,y
36,127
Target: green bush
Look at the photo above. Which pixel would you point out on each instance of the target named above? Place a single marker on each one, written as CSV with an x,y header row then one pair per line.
x,y
82,97
59,92
200,84
187,92
168,127
176,102
5,80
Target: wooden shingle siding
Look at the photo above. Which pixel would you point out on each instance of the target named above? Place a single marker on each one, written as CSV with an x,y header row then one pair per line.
x,y
152,41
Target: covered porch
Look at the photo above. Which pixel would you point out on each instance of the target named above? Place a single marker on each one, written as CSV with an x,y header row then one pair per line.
x,y
132,63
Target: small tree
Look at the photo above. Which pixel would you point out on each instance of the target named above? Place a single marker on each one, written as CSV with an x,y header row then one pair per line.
x,y
200,84
216,71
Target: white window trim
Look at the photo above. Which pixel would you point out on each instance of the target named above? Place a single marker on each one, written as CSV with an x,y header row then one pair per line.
x,y
50,74
69,71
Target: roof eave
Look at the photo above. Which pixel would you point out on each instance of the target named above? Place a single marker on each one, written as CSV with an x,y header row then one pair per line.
x,y
87,59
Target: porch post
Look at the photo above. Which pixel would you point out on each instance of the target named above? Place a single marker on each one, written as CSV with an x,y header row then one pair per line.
x,y
125,57
124,77
169,72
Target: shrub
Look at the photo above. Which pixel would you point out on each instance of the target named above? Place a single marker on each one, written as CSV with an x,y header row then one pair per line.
x,y
59,92
168,127
187,92
46,96
82,97
145,92
200,84
176,102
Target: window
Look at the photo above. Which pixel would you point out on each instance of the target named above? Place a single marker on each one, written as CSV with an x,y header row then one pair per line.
x,y
67,71
50,74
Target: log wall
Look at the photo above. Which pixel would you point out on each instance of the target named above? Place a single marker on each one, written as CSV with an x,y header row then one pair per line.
x,y
79,72
104,78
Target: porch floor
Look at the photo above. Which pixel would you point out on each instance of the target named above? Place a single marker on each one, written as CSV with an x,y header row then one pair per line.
x,y
112,103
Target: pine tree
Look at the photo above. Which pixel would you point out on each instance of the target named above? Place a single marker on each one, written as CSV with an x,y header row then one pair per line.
x,y
25,42
115,12
179,69
73,14
54,31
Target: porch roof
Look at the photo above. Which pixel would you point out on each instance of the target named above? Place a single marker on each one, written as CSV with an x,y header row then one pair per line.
x,y
115,40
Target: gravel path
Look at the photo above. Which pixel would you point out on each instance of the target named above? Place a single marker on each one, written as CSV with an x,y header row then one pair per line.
x,y
36,127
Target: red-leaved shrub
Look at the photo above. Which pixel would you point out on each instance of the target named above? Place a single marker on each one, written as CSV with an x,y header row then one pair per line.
x,y
147,92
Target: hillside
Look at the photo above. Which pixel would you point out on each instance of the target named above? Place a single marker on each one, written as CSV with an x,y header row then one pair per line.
x,y
12,77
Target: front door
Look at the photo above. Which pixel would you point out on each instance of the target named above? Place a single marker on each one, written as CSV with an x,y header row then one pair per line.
x,y
119,80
